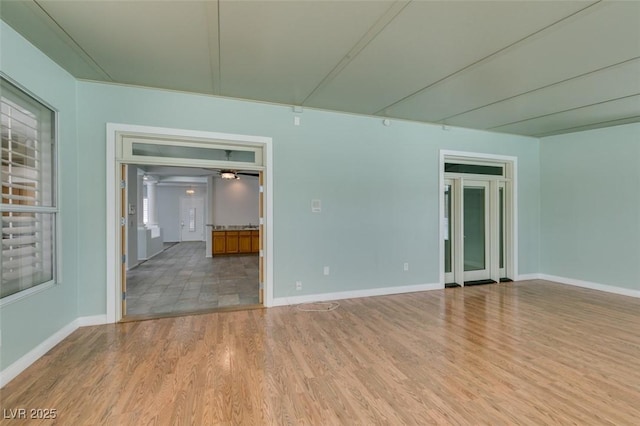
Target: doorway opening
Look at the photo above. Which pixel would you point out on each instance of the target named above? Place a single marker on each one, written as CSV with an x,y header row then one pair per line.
x,y
478,218
169,271
148,165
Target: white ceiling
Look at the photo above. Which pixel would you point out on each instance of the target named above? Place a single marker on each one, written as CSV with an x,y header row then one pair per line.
x,y
525,67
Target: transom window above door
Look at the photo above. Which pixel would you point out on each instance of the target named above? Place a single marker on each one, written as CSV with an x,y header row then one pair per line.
x,y
190,152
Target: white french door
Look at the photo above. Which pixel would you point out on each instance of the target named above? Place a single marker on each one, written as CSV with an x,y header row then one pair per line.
x,y
448,231
476,231
475,237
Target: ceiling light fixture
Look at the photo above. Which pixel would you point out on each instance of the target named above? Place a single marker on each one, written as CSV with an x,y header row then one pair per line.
x,y
228,174
190,191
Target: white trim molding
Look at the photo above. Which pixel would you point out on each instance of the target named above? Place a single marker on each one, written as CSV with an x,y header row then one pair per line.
x,y
354,294
527,277
92,320
591,285
12,371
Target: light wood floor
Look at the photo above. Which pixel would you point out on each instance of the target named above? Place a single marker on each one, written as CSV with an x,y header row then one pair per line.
x,y
515,353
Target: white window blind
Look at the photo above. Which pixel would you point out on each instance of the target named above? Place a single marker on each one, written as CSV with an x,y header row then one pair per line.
x,y
28,207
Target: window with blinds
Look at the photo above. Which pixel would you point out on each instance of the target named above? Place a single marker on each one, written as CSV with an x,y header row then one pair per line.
x,y
28,201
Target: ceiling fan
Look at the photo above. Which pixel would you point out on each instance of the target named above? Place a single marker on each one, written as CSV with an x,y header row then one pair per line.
x,y
229,173
234,174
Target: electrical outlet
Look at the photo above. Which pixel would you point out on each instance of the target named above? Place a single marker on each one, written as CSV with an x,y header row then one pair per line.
x,y
406,266
326,270
298,285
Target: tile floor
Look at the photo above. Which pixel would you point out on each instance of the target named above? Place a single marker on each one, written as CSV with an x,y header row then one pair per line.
x,y
181,280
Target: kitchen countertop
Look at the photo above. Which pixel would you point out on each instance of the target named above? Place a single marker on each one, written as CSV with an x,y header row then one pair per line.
x,y
233,227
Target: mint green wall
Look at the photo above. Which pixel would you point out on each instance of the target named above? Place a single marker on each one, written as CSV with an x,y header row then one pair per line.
x,y
372,220
27,322
591,206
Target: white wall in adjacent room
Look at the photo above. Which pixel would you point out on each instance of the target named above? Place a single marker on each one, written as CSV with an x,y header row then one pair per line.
x,y
236,202
168,203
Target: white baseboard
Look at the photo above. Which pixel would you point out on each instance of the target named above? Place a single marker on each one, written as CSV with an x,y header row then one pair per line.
x,y
92,320
526,277
152,256
353,294
134,266
593,286
36,353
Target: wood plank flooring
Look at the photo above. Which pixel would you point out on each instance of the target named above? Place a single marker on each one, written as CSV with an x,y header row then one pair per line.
x,y
530,352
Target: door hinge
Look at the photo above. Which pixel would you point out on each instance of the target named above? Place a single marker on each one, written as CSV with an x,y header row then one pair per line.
x,y
261,188
123,184
123,221
124,295
261,286
124,258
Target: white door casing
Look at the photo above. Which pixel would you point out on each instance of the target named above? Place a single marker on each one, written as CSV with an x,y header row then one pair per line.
x,y
500,219
117,154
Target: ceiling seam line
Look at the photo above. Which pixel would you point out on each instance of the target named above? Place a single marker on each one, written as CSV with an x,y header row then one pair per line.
x,y
219,52
542,135
473,64
539,88
563,111
212,69
355,51
73,40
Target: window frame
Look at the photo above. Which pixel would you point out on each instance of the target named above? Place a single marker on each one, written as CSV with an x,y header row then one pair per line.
x,y
53,210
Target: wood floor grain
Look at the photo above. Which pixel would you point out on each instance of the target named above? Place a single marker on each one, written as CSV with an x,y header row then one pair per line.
x,y
530,352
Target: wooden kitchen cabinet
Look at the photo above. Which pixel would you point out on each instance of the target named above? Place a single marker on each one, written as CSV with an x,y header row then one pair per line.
x,y
255,241
244,241
235,242
232,242
219,242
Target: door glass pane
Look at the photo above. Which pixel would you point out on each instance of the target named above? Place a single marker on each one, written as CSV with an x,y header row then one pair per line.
x,y
474,228
192,220
447,228
474,169
501,224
